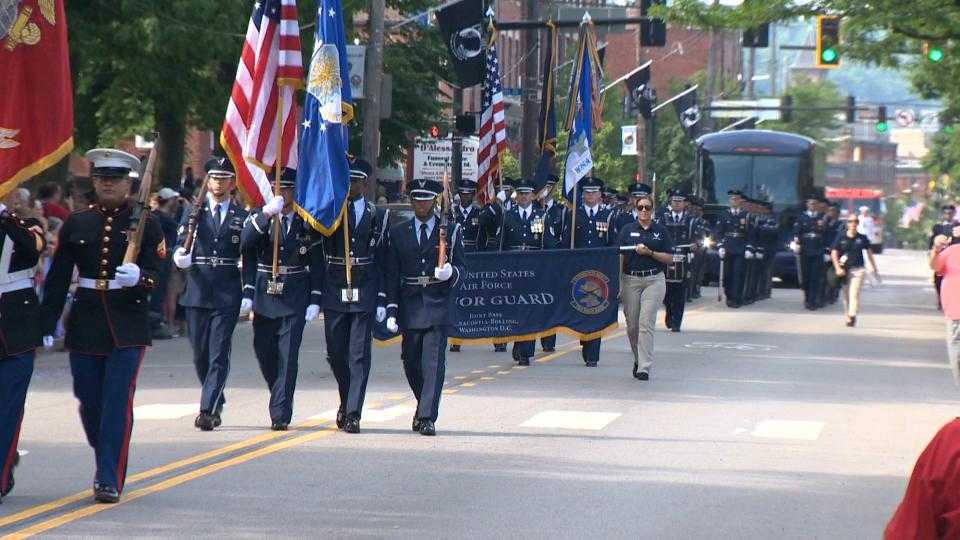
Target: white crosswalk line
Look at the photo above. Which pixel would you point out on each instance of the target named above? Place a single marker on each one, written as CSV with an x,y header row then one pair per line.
x,y
571,420
165,411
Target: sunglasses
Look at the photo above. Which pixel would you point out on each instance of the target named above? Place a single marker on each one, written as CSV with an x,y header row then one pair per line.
x,y
644,207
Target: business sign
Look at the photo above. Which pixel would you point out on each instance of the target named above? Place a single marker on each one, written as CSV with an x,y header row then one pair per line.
x,y
431,157
743,108
356,59
628,140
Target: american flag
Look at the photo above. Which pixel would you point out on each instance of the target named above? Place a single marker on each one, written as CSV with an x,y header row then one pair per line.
x,y
270,71
493,128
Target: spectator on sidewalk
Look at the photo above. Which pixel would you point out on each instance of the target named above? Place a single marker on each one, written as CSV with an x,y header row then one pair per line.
x,y
945,261
50,196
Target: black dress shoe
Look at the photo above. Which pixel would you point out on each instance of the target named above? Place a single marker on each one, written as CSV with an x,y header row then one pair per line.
x,y
635,368
205,422
16,461
106,494
341,416
416,424
351,424
851,321
196,421
675,329
523,362
216,420
279,426
427,428
548,349
643,376
500,347
591,364
454,348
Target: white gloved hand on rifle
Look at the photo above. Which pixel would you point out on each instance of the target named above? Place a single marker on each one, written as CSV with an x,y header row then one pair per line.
x,y
392,325
722,252
313,311
795,247
444,273
748,254
182,258
274,207
246,305
128,275
381,314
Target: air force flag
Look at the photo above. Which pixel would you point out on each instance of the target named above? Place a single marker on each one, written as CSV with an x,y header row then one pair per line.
x,y
323,179
585,110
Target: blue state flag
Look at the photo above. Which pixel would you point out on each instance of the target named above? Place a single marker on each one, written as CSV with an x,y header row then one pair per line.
x,y
583,107
323,178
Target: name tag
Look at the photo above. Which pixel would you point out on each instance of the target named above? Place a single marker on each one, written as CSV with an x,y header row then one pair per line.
x,y
634,235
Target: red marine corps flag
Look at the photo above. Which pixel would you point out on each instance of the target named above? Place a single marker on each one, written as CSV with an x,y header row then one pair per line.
x,y
36,100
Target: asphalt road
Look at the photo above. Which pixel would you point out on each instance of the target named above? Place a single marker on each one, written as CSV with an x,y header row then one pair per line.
x,y
764,422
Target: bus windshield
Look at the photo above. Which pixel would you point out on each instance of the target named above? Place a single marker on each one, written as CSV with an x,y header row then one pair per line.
x,y
772,178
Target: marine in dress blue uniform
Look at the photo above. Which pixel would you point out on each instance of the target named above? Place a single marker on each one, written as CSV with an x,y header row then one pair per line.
x,y
108,327
279,316
349,310
731,233
212,299
808,233
524,227
21,242
418,298
467,214
592,231
681,226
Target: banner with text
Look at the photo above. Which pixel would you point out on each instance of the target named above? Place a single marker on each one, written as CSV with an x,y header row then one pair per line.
x,y
506,296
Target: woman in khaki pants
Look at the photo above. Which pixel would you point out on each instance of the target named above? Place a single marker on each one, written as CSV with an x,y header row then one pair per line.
x,y
847,256
642,284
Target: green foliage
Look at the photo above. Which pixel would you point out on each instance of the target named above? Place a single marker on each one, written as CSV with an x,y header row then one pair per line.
x,y
817,125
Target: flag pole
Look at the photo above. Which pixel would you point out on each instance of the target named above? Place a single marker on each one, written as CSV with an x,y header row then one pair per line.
x,y
277,173
573,222
348,264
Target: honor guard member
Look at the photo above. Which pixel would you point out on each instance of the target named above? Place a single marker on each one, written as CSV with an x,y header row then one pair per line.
x,y
22,242
830,292
681,226
467,215
418,294
108,328
701,236
750,252
731,233
213,295
769,236
283,306
524,227
610,198
491,219
808,243
553,220
592,231
349,308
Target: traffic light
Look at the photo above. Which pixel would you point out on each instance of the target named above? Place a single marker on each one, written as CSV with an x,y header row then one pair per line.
x,y
434,131
757,38
934,53
828,39
851,109
786,107
653,32
882,125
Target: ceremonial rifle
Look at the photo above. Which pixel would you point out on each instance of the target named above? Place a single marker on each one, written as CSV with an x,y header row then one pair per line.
x,y
194,219
141,208
444,210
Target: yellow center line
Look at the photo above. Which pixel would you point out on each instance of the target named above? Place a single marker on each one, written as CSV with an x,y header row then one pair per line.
x,y
213,467
169,483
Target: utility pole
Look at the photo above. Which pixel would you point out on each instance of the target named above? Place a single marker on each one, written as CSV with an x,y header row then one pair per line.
x,y
373,77
641,121
711,73
774,69
456,144
529,129
751,73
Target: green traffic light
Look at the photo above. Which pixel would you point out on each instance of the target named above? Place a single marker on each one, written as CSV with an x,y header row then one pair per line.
x,y
829,55
882,127
935,55
948,129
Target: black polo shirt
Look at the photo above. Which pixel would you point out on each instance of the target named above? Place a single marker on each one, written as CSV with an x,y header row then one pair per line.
x,y
852,248
655,237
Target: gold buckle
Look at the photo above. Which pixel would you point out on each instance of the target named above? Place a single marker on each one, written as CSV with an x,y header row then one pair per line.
x,y
103,284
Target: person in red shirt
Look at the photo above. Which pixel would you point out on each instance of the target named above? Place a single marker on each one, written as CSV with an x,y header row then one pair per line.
x,y
931,506
50,196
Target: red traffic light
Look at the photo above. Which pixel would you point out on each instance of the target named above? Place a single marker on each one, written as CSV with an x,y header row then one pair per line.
x,y
434,132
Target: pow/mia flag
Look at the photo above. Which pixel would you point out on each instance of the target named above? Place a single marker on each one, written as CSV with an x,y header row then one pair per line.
x,y
462,27
642,96
688,112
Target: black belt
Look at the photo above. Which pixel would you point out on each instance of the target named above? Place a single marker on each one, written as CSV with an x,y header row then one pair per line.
x,y
282,270
734,235
811,235
523,248
642,273
469,242
217,261
354,261
421,281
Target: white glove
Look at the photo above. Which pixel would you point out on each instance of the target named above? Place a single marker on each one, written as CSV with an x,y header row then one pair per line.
x,y
47,342
444,273
502,196
182,259
313,311
795,247
392,325
826,258
273,207
759,256
3,209
748,254
128,275
381,314
689,258
246,305
722,252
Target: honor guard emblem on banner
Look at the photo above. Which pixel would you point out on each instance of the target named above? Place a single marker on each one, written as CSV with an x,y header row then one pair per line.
x,y
590,292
